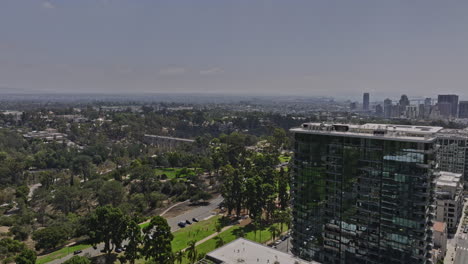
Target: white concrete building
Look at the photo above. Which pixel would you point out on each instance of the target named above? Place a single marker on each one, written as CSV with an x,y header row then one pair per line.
x,y
452,153
449,199
245,251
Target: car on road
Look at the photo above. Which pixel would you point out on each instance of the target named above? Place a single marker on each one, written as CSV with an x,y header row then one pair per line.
x,y
195,220
118,250
188,222
76,252
181,224
277,242
283,238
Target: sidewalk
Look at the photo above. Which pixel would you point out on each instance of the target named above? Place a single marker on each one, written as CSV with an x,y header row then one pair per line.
x,y
211,236
452,243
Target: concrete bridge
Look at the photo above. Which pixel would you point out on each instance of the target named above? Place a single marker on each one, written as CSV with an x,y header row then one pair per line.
x,y
166,143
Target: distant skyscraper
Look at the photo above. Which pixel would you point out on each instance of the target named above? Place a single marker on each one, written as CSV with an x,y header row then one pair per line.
x,y
378,110
353,106
404,101
363,193
365,102
387,108
445,109
412,111
422,114
463,109
452,99
428,101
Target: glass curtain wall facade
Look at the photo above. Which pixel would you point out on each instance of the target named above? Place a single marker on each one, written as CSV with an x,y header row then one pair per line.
x,y
361,200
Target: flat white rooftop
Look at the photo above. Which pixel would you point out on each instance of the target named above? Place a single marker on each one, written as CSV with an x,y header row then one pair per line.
x,y
248,252
448,179
376,131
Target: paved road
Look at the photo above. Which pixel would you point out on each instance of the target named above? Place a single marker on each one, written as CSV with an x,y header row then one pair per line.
x,y
285,246
457,247
201,213
198,212
32,189
461,256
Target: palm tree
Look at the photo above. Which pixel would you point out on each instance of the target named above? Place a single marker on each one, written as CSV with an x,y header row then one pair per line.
x,y
284,217
179,256
256,226
192,251
218,227
274,231
219,241
241,233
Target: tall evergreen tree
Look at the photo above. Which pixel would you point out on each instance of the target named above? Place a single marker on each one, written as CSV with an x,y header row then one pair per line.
x,y
157,239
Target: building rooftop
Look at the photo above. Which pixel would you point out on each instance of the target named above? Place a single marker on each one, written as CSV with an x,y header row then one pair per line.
x,y
448,132
439,226
448,179
378,131
245,251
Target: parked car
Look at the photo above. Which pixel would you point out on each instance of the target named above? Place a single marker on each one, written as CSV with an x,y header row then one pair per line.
x,y
194,220
277,242
188,222
118,250
76,252
181,224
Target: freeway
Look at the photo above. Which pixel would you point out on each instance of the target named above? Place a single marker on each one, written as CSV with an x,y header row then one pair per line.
x,y
201,213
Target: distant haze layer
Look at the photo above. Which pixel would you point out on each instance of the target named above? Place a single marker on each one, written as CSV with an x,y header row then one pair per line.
x,y
299,47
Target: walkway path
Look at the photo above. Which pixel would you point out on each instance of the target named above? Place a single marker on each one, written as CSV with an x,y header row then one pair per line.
x,y
211,236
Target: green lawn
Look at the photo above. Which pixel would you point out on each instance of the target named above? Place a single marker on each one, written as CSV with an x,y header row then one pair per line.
x,y
60,253
284,158
144,225
196,231
171,173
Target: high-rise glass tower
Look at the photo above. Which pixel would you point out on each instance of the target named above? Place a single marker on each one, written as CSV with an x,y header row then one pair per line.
x,y
365,102
451,99
463,109
363,193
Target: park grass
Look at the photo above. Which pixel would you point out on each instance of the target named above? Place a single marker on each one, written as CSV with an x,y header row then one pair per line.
x,y
143,225
261,236
171,173
284,158
196,231
60,253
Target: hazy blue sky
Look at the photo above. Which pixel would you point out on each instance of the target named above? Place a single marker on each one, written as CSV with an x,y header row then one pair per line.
x,y
307,47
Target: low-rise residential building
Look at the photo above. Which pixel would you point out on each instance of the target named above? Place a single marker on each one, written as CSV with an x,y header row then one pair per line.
x,y
48,134
449,199
440,241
